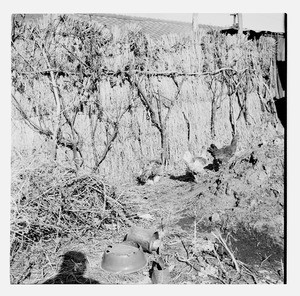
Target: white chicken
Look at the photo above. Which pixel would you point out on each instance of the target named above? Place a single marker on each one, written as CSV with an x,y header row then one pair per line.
x,y
195,165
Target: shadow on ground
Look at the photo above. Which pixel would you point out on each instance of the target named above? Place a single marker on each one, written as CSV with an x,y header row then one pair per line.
x,y
189,177
72,270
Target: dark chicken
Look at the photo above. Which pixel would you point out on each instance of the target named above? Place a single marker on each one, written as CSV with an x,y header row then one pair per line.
x,y
223,155
151,172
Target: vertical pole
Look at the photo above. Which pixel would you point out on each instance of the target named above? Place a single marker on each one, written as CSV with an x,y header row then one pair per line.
x,y
234,19
240,23
195,22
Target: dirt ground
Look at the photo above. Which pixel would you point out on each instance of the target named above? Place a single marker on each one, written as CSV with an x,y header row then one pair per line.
x,y
225,228
241,204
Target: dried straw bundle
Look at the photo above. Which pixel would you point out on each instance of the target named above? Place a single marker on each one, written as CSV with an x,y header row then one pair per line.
x,y
50,201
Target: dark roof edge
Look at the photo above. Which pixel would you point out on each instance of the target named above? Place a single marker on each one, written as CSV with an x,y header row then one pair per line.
x,y
245,30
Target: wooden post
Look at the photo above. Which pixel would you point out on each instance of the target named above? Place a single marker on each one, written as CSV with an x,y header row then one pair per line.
x,y
240,23
234,19
195,22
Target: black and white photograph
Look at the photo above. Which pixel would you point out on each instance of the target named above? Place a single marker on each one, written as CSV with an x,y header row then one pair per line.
x,y
148,148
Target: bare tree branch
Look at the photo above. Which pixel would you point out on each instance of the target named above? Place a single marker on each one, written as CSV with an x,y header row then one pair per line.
x,y
57,101
112,138
146,103
179,88
28,121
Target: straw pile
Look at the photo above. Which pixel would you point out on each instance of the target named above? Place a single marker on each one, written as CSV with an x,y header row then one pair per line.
x,y
51,201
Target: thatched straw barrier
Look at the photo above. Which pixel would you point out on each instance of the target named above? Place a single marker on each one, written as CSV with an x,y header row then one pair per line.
x,y
100,121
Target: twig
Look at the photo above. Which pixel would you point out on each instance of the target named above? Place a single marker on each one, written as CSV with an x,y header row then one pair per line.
x,y
76,57
220,239
248,271
264,261
112,137
220,263
176,73
179,88
28,121
116,202
145,101
57,100
187,261
185,248
26,274
23,58
180,273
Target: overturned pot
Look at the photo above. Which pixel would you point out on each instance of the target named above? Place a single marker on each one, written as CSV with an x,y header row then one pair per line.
x,y
160,273
126,257
148,239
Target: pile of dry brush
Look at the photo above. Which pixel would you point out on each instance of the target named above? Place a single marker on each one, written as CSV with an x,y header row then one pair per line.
x,y
51,201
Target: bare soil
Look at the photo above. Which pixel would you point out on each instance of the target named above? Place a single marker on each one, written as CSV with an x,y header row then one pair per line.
x,y
242,203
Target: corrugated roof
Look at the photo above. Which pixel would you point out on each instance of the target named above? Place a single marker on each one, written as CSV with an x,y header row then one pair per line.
x,y
152,27
155,28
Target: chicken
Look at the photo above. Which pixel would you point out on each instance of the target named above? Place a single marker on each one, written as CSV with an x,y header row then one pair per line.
x,y
224,154
195,164
151,172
